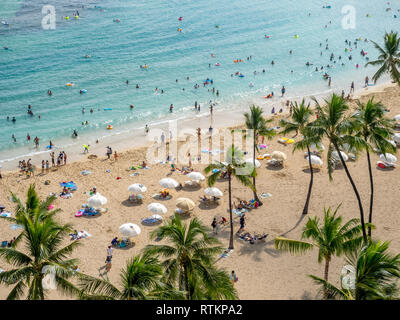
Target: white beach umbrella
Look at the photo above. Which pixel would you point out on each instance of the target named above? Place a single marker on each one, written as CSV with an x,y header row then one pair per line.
x,y
196,176
213,192
97,201
317,147
168,183
395,137
316,160
335,155
137,188
279,155
157,208
388,157
129,230
397,117
250,161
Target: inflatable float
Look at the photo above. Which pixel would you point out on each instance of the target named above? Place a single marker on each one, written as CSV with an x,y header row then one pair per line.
x,y
109,127
83,91
107,109
69,84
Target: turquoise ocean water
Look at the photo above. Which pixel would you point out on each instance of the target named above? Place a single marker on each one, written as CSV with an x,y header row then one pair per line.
x,y
38,60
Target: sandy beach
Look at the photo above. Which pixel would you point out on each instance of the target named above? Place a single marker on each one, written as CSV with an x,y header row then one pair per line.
x,y
263,272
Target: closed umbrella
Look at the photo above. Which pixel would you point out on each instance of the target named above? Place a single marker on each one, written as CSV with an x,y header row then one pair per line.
x,y
129,230
256,163
316,160
137,188
335,155
185,204
213,192
388,157
196,176
97,201
168,183
157,208
278,155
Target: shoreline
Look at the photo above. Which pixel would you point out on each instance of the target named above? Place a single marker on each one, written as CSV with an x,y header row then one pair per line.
x,y
186,125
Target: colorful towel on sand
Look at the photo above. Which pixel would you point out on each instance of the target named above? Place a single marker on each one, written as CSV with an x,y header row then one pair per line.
x,y
226,253
16,226
69,185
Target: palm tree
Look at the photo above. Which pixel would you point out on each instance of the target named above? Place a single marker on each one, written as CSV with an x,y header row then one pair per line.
x,y
389,58
258,125
374,130
42,240
140,280
33,208
189,259
331,238
376,274
300,120
334,124
234,167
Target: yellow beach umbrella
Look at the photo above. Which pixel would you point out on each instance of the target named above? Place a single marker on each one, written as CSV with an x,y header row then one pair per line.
x,y
185,204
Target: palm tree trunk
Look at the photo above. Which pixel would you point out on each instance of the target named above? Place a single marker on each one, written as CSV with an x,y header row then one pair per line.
x,y
356,193
371,201
254,165
326,272
230,213
305,209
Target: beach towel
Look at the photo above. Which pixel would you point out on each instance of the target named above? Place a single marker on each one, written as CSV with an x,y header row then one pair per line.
x,y
150,221
226,253
69,185
83,234
86,172
265,195
238,212
66,196
134,174
16,226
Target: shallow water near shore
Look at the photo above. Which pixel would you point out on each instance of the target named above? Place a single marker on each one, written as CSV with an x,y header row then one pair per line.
x,y
38,60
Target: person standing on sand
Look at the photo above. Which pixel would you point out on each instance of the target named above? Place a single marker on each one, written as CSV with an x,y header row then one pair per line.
x,y
65,158
43,164
242,223
52,159
352,87
109,152
115,156
366,81
214,225
47,166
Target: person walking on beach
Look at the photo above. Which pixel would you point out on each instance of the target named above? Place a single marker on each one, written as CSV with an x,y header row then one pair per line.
x,y
47,166
214,225
65,157
366,81
115,156
242,223
352,87
109,152
109,253
234,278
283,90
162,137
